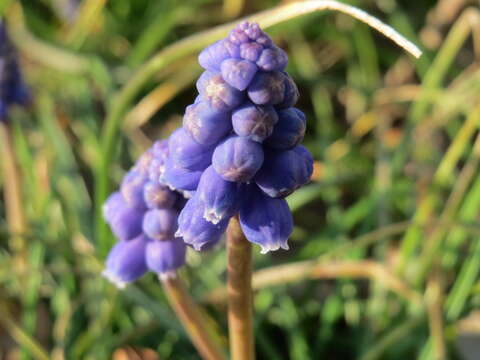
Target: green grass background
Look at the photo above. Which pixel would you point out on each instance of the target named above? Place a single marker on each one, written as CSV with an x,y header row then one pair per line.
x,y
395,194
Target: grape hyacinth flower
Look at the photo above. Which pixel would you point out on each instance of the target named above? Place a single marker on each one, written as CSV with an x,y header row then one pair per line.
x,y
239,152
143,217
12,86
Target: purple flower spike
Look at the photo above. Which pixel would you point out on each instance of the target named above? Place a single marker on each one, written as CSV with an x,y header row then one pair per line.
x,y
254,121
195,230
219,95
237,159
178,178
124,220
289,131
265,221
238,73
220,198
187,153
211,57
132,188
160,224
291,93
158,196
205,125
12,86
126,262
164,257
267,88
272,59
284,172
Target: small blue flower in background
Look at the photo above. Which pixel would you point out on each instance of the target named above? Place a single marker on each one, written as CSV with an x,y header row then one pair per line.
x,y
143,216
12,86
238,151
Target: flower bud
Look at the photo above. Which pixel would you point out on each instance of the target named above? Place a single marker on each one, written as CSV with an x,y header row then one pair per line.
x,y
142,166
219,95
158,196
289,131
267,88
238,73
205,125
126,261
164,257
132,188
272,59
251,51
266,221
285,171
291,93
220,198
247,32
187,153
237,159
254,121
124,220
177,178
160,224
195,230
212,56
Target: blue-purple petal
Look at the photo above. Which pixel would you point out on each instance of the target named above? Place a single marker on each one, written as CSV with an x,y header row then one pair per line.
x,y
266,221
219,95
267,88
205,125
187,153
220,198
164,257
160,224
254,121
238,73
126,261
285,171
195,230
125,221
178,178
237,159
289,131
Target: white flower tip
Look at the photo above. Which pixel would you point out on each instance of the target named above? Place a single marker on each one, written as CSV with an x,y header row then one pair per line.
x,y
274,247
167,275
115,280
178,233
212,216
198,247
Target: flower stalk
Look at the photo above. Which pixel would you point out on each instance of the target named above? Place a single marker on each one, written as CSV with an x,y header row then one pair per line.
x,y
12,192
192,319
240,297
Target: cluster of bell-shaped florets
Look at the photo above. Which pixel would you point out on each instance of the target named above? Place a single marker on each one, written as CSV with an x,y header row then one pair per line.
x,y
238,150
143,215
12,86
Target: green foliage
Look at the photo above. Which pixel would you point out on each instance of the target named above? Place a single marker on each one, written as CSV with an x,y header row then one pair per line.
x,y
396,181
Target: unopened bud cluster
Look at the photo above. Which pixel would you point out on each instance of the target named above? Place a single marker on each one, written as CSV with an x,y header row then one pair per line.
x,y
143,215
238,151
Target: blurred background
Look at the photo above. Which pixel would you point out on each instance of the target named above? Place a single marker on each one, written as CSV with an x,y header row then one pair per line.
x,y
385,256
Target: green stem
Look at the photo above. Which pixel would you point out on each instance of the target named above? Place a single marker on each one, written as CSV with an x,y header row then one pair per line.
x,y
192,319
20,336
240,296
13,196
